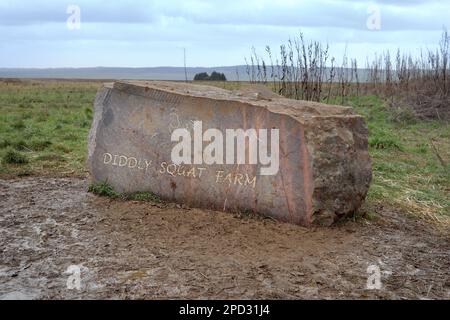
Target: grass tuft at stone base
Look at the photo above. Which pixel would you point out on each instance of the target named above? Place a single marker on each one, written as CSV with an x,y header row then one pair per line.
x,y
104,189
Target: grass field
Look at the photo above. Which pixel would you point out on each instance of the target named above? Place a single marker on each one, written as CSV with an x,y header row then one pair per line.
x,y
44,127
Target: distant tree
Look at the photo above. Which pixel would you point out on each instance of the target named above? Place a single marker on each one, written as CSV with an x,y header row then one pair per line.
x,y
215,76
201,76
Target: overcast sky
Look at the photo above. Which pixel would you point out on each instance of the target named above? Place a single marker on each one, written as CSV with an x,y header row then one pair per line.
x,y
141,33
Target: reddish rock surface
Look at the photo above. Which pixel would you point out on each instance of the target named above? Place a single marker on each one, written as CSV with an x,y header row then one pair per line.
x,y
324,166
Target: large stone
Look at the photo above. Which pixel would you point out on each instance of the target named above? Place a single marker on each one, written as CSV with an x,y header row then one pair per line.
x,y
324,166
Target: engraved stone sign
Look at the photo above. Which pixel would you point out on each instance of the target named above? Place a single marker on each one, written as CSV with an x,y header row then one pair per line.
x,y
249,150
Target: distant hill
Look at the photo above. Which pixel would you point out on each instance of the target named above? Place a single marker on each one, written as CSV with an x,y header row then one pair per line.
x,y
156,73
232,73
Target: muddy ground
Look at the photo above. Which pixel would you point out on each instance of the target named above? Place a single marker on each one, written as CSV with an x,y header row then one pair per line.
x,y
138,250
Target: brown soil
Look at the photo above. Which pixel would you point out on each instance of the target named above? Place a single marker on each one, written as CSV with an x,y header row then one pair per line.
x,y
143,250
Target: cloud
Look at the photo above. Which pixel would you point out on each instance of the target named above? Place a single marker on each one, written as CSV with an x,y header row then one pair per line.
x,y
397,15
20,12
150,32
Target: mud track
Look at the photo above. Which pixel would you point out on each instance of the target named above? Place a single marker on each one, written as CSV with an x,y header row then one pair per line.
x,y
137,250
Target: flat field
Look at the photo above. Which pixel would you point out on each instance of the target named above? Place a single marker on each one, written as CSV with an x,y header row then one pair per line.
x,y
143,248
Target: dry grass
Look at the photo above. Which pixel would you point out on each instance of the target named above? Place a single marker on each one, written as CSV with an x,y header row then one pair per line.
x,y
306,71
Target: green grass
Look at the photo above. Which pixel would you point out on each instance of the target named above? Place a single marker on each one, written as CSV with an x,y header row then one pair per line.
x,y
407,173
142,196
12,156
46,124
104,189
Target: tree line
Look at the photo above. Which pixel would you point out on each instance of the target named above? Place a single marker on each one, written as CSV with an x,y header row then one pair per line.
x,y
215,76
